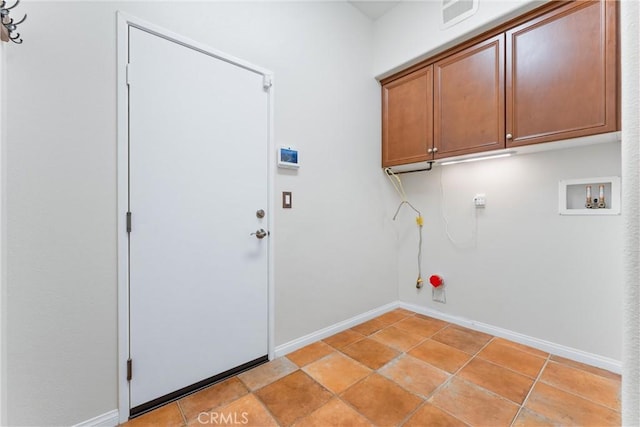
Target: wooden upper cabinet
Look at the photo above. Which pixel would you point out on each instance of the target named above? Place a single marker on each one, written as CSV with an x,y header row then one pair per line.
x,y
562,74
407,118
469,100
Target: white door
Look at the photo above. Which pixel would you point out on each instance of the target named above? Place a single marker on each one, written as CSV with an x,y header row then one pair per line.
x,y
198,141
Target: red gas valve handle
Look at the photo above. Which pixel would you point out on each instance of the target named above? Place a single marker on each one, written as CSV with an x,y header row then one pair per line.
x,y
436,281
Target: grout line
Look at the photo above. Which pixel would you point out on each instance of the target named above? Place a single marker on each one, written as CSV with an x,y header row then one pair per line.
x,y
184,417
579,396
265,408
452,375
513,370
346,402
524,402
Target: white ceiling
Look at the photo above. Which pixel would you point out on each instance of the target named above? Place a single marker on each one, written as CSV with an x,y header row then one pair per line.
x,y
373,9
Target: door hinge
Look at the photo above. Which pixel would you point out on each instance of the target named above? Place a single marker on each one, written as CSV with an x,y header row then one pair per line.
x,y
129,370
266,81
128,222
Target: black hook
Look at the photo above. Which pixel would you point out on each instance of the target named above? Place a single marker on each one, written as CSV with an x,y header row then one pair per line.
x,y
9,23
14,5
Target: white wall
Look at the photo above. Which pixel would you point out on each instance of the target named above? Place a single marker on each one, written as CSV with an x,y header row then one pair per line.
x,y
630,23
335,256
518,264
532,271
411,31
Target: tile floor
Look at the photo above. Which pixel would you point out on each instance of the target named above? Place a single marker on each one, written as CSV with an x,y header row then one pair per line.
x,y
405,369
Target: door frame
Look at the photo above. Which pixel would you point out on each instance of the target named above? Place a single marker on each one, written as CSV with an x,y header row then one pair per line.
x,y
124,21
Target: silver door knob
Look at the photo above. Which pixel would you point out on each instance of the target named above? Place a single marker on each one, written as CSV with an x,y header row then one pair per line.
x,y
509,136
260,234
435,149
430,150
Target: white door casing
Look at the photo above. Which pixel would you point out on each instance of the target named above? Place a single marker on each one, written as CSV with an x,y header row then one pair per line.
x,y
200,166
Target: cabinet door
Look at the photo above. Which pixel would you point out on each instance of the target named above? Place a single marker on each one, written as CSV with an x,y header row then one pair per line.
x,y
407,118
561,74
469,100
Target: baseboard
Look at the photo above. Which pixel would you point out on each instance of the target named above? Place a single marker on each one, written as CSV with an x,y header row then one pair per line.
x,y
108,419
294,345
547,346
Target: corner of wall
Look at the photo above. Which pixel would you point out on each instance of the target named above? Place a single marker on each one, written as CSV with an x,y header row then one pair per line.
x,y
3,311
629,19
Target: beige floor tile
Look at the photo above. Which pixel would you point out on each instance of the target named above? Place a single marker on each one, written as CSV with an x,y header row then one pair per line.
x,y
247,411
393,316
588,368
507,383
430,416
212,397
293,397
474,405
370,353
593,387
568,409
414,375
397,338
527,418
421,325
343,339
266,374
368,328
463,339
521,347
337,372
513,358
334,413
310,353
165,416
383,402
440,355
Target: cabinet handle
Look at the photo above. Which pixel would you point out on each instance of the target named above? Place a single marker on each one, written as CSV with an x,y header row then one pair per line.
x,y
435,150
509,136
430,150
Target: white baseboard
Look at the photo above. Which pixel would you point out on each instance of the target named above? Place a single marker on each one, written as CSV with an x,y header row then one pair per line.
x,y
549,347
108,419
294,345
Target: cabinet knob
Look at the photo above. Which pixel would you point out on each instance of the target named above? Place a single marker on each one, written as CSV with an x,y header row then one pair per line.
x,y
430,150
435,149
509,136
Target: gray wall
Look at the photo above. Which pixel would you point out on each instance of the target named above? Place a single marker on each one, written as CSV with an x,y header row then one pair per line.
x,y
333,258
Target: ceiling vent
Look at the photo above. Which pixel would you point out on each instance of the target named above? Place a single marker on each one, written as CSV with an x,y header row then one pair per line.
x,y
454,11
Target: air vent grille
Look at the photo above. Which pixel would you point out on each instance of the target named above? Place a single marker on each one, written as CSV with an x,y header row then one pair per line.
x,y
454,11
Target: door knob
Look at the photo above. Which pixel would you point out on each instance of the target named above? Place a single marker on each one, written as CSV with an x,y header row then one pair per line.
x,y
260,234
509,136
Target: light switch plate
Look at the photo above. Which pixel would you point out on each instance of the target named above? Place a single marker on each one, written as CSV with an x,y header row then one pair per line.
x,y
287,200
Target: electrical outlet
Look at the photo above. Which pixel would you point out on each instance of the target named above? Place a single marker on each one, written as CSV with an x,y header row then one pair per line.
x,y
480,200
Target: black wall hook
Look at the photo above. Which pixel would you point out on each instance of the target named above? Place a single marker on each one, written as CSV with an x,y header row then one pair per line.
x,y
9,23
